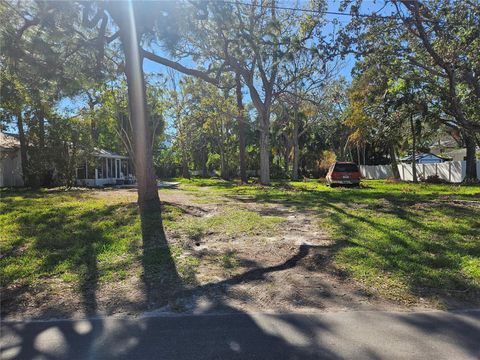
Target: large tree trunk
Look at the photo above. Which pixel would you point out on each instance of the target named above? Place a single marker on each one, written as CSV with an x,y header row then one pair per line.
x,y
23,149
414,150
471,158
393,162
296,146
148,199
241,131
156,252
42,156
264,149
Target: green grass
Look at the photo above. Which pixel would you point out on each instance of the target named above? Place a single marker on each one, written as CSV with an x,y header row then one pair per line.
x,y
229,260
404,241
71,236
66,235
229,222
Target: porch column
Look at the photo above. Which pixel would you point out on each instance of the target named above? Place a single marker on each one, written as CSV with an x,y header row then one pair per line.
x,y
106,169
115,161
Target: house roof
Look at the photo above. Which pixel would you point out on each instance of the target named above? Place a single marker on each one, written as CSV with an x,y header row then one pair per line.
x,y
9,141
420,156
105,153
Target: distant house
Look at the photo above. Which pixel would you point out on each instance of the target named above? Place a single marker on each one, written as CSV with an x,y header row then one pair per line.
x,y
106,168
10,161
424,158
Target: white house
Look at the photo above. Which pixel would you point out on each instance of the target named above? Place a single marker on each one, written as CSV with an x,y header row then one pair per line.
x,y
107,168
424,158
10,161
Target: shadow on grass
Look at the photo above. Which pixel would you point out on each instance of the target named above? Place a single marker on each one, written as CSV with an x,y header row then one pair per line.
x,y
160,275
58,240
409,237
78,240
191,337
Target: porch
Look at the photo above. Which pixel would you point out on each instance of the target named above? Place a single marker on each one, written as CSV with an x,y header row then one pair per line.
x,y
106,168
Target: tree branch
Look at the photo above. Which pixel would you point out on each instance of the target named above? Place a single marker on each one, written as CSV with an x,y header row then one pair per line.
x,y
205,76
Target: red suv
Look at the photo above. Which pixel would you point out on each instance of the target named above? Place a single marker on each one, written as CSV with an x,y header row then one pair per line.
x,y
343,173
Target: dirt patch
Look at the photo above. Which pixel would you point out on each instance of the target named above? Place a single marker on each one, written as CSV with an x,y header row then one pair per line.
x,y
289,270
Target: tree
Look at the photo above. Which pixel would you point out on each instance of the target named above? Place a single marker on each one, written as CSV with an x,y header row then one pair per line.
x,y
42,60
370,119
440,41
252,41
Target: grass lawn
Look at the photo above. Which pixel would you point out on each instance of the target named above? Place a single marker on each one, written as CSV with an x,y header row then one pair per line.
x,y
401,242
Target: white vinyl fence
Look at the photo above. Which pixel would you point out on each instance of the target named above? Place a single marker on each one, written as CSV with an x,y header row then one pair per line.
x,y
451,171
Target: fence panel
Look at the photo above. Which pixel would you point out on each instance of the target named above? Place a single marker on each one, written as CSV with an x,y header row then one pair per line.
x,y
451,171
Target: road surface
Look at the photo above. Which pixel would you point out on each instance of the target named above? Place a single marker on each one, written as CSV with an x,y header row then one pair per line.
x,y
341,335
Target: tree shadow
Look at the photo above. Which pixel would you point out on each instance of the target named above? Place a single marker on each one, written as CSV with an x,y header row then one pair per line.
x,y
60,241
184,337
160,275
431,266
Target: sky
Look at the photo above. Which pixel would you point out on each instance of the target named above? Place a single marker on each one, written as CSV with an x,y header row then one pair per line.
x,y
71,106
367,7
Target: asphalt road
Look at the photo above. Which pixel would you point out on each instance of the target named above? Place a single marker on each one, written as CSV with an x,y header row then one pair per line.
x,y
342,335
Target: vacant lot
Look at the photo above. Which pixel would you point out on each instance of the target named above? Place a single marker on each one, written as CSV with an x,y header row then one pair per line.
x,y
290,247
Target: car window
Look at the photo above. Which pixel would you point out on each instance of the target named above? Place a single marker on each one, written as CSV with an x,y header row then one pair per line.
x,y
346,168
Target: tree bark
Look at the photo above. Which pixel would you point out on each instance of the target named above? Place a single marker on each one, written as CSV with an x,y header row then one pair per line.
x,y
393,162
241,131
148,199
41,127
296,146
23,149
414,150
93,120
471,158
264,149
204,159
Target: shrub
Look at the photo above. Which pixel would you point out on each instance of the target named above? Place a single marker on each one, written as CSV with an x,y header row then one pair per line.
x,y
435,179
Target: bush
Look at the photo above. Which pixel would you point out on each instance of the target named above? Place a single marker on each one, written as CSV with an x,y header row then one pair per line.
x,y
435,179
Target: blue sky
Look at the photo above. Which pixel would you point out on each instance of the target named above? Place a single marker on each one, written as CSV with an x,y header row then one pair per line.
x,y
71,106
347,65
